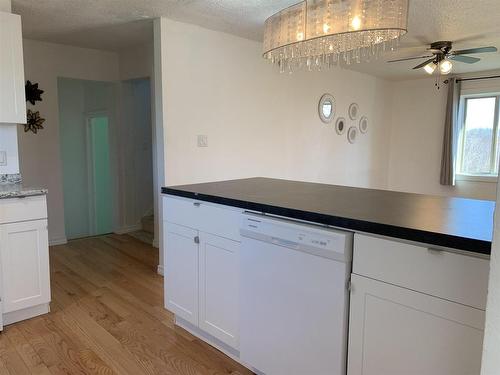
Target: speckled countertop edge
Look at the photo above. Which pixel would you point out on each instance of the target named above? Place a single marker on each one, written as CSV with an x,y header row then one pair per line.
x,y
11,186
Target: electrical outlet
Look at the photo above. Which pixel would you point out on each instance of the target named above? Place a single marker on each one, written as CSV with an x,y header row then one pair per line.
x,y
202,141
3,158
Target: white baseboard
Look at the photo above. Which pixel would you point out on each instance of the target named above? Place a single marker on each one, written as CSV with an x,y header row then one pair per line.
x,y
58,241
128,229
28,313
160,270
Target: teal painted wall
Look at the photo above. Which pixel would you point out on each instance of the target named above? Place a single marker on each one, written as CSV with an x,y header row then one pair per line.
x,y
103,220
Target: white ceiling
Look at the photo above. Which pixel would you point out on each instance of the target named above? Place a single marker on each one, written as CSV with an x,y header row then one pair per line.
x,y
118,24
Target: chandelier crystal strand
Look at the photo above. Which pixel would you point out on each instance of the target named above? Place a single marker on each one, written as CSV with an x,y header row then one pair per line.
x,y
316,34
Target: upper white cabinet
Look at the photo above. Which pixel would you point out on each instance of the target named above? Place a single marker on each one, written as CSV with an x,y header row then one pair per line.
x,y
12,96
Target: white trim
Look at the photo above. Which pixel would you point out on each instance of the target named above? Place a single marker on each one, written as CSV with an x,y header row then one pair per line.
x,y
475,178
128,229
28,313
159,116
58,241
160,270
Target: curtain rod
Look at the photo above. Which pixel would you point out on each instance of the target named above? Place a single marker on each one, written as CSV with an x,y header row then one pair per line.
x,y
474,79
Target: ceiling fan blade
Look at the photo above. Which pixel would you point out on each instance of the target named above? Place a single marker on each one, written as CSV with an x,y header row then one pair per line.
x,y
410,58
464,59
424,63
472,51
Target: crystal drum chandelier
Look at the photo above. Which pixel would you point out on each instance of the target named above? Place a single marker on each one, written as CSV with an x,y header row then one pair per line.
x,y
322,33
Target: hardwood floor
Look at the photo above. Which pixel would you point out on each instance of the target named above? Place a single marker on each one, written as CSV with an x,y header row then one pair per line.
x,y
107,317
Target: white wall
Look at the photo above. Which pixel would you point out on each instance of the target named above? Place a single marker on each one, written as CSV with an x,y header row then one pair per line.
x,y
491,345
417,118
136,62
8,143
260,122
40,153
5,6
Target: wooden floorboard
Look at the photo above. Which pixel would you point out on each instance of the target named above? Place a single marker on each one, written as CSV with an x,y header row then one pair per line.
x,y
107,317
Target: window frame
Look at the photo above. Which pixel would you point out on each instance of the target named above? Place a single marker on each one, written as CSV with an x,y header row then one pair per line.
x,y
494,163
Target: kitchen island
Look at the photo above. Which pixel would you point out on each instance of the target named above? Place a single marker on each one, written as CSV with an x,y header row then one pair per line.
x,y
419,271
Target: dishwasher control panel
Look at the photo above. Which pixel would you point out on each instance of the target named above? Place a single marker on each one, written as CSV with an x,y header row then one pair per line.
x,y
298,235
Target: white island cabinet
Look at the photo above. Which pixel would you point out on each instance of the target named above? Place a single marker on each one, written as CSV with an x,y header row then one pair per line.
x,y
12,96
24,258
415,310
202,244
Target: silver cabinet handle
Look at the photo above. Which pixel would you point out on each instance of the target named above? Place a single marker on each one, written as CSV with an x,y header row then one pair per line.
x,y
196,239
197,204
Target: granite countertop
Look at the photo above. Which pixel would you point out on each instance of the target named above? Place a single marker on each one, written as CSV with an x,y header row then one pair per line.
x,y
11,186
458,223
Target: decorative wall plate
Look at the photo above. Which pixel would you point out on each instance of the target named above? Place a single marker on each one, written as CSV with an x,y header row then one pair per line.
x,y
340,125
354,111
352,134
363,124
327,108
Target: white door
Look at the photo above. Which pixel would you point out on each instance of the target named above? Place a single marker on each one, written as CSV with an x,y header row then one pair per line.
x,y
181,271
219,288
24,251
396,331
12,98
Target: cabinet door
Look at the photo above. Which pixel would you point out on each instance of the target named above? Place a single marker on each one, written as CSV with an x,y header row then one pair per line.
x,y
219,288
394,331
24,251
12,98
181,271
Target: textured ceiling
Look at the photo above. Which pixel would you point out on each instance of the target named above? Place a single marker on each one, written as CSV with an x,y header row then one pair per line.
x,y
105,24
118,24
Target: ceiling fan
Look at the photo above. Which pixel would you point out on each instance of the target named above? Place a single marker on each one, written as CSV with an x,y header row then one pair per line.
x,y
441,56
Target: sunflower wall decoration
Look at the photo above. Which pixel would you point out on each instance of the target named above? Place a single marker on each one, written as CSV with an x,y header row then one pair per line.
x,y
34,122
33,93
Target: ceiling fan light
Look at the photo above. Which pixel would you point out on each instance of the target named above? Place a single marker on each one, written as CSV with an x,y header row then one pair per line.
x,y
445,66
430,68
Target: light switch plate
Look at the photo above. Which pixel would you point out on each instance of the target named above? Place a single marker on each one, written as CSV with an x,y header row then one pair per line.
x,y
3,158
202,141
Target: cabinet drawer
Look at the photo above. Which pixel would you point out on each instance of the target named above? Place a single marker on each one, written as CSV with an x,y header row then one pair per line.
x,y
211,218
23,209
452,276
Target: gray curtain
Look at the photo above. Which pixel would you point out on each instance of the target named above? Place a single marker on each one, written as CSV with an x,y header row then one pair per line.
x,y
451,129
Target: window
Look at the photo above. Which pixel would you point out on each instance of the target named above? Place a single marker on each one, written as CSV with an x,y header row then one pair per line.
x,y
479,139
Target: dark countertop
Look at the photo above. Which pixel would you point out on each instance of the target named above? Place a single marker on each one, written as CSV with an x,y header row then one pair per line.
x,y
459,223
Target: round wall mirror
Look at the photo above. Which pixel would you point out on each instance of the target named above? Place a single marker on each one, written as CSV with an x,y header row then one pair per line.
x,y
352,134
363,124
353,111
340,125
326,108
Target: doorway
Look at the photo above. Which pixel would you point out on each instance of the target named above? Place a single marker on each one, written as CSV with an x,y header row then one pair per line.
x,y
86,116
